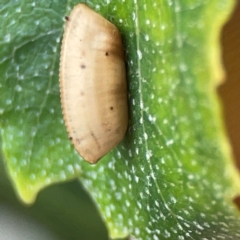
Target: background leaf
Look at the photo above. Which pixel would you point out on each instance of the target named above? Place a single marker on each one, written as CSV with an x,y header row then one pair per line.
x,y
164,179
65,210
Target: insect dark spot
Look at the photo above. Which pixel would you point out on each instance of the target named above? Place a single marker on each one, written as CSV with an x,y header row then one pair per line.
x,y
83,66
82,53
96,140
106,53
117,131
104,123
70,138
67,18
111,108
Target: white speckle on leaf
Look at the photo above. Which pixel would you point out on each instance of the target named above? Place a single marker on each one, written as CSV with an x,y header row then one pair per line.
x,y
9,101
60,162
18,88
190,176
137,231
32,176
169,142
145,136
165,121
7,38
139,53
70,169
118,195
119,154
137,151
155,237
46,66
183,67
62,175
108,212
20,133
47,180
148,154
23,162
13,21
136,179
133,16
130,153
43,172
77,167
13,160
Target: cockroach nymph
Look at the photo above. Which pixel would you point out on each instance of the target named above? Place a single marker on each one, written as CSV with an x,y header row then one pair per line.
x,y
93,83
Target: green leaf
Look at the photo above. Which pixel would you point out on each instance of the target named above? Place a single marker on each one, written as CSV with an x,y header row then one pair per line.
x,y
172,176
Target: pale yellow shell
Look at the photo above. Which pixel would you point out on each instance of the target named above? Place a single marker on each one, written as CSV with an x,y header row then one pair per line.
x,y
93,83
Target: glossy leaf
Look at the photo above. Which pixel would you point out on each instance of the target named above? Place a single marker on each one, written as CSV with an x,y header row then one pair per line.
x,y
172,176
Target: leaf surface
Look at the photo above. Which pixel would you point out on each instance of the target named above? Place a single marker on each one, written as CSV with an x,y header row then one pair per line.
x,y
172,176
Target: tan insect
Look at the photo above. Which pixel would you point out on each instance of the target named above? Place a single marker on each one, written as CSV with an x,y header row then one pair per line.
x,y
93,83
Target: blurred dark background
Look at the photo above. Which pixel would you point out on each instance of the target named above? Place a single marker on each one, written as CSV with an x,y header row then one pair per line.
x,y
229,91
